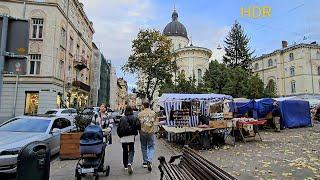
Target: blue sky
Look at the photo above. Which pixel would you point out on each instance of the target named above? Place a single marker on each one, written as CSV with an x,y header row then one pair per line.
x,y
117,23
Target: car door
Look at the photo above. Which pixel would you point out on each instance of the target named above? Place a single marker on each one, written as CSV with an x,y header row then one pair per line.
x,y
54,137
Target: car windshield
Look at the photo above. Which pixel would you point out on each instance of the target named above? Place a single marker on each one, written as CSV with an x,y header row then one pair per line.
x,y
26,125
51,112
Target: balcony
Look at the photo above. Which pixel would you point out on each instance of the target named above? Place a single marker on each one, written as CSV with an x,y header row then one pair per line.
x,y
80,63
81,85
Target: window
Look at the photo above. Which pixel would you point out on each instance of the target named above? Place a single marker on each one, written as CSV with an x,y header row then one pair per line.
x,y
292,72
293,86
271,86
318,70
37,28
270,63
63,36
61,70
32,102
71,45
77,52
34,63
199,75
256,66
291,58
179,45
60,123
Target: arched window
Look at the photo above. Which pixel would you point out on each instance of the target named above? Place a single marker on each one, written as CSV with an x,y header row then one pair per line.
x,y
291,57
293,86
292,71
271,86
270,63
256,66
199,75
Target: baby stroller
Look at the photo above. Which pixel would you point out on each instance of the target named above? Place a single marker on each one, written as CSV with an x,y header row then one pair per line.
x,y
92,150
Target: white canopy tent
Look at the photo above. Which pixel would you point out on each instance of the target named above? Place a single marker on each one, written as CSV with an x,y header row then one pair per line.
x,y
173,101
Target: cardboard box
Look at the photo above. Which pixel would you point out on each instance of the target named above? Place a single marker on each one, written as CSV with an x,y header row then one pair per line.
x,y
218,124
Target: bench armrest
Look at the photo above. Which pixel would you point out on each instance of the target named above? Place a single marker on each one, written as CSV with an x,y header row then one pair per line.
x,y
173,158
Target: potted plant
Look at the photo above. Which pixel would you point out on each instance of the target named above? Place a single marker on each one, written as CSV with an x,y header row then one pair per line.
x,y
70,142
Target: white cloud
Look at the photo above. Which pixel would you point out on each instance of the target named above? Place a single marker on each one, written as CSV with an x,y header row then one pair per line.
x,y
116,24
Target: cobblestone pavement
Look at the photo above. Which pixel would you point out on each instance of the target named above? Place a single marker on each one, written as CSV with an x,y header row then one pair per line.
x,y
63,170
290,154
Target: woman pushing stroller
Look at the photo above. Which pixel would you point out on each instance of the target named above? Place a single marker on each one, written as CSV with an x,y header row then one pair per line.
x,y
127,130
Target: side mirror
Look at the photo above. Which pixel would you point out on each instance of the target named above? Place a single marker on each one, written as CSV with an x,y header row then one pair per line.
x,y
54,130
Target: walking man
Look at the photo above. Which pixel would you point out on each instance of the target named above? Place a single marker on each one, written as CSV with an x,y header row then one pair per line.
x,y
147,118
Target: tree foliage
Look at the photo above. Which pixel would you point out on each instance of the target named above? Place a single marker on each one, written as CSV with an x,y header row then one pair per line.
x,y
151,59
237,52
236,82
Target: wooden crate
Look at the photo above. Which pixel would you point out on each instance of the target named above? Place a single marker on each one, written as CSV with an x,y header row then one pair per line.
x,y
69,145
218,124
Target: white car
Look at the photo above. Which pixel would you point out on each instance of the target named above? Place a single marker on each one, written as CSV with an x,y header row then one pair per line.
x,y
63,112
22,130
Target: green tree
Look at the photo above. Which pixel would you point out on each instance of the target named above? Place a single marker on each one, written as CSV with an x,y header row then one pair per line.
x,y
237,52
215,77
150,58
254,87
236,82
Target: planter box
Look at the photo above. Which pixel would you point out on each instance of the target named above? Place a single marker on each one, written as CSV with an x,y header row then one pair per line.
x,y
69,145
218,124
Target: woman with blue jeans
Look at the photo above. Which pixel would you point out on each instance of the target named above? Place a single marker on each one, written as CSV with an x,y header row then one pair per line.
x,y
127,130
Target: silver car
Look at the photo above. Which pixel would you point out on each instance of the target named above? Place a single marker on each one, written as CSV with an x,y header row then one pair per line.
x,y
19,131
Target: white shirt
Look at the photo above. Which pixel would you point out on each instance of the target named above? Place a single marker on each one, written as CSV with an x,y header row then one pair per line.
x,y
127,139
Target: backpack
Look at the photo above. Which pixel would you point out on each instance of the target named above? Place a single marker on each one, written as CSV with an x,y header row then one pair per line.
x,y
147,125
127,127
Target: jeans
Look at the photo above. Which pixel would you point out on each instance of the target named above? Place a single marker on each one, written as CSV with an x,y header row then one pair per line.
x,y
147,146
128,153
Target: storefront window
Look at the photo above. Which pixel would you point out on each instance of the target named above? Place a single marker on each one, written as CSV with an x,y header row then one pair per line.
x,y
32,102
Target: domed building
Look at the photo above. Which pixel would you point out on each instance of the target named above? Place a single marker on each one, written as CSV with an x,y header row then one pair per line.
x,y
191,60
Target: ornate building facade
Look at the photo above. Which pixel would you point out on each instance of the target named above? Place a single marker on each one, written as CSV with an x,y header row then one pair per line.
x,y
58,65
292,70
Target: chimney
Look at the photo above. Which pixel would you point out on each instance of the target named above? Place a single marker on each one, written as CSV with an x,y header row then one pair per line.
x,y
284,44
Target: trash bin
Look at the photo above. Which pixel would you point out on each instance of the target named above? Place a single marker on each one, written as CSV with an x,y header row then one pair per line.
x,y
33,162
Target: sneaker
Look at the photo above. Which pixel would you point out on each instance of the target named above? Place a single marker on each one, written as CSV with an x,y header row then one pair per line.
x,y
149,165
144,165
130,170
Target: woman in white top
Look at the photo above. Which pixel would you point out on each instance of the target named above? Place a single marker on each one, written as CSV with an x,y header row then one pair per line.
x,y
127,130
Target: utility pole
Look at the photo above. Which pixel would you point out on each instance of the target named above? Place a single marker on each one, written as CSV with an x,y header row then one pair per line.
x,y
3,45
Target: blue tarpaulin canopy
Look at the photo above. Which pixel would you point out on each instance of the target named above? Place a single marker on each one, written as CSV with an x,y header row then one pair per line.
x,y
295,113
262,107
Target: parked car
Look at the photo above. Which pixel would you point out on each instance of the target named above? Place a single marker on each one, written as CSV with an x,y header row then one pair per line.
x,y
63,112
17,132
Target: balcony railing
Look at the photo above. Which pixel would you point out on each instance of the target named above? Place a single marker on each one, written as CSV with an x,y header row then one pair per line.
x,y
80,63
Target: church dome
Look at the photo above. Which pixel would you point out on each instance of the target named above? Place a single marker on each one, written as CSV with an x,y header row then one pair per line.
x,y
175,28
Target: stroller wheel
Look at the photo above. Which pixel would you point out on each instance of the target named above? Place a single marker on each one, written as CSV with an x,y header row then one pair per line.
x,y
107,170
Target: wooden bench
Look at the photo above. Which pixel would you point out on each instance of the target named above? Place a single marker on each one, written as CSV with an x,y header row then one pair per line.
x,y
191,166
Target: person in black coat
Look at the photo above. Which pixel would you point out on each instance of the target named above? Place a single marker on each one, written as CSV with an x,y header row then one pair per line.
x,y
127,130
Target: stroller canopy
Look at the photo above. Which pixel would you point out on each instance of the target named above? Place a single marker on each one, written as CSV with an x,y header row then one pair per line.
x,y
92,135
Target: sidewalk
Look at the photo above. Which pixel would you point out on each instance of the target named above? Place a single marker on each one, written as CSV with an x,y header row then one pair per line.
x,y
61,170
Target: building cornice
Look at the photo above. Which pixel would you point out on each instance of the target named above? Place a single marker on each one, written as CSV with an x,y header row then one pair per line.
x,y
290,48
194,48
